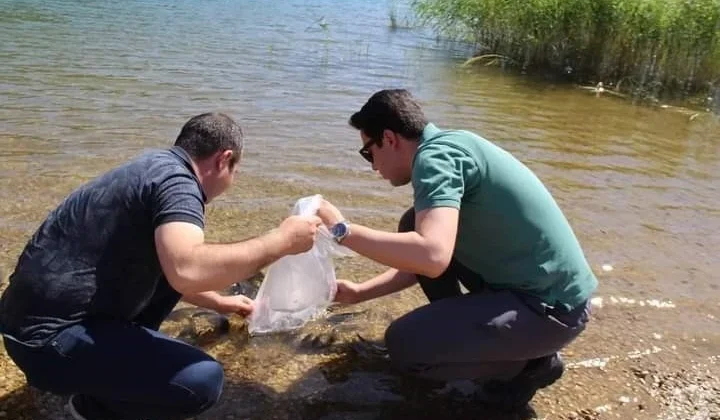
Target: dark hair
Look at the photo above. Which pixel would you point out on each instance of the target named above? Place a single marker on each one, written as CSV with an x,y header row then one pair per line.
x,y
392,109
209,133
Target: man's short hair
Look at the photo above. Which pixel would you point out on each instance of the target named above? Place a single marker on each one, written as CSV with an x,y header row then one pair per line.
x,y
205,134
392,109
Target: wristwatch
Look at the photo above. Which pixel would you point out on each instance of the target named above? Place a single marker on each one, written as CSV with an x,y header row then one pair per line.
x,y
340,230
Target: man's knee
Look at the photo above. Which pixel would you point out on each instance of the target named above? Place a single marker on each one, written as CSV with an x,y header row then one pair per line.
x,y
407,221
204,381
400,341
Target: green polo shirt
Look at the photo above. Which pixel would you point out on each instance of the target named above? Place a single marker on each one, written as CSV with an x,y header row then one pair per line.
x,y
511,231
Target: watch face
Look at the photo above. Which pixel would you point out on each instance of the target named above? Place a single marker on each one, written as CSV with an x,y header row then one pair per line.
x,y
339,230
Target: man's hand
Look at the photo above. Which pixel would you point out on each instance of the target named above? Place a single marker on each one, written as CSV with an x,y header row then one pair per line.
x,y
347,292
329,214
298,233
237,304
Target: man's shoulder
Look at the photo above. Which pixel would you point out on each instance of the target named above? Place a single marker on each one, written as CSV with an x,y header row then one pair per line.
x,y
464,140
453,144
457,133
135,176
156,157
154,165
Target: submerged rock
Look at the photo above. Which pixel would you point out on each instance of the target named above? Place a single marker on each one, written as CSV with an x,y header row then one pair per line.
x,y
196,326
247,287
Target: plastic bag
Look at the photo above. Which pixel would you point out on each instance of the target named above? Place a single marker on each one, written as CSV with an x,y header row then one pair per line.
x,y
298,287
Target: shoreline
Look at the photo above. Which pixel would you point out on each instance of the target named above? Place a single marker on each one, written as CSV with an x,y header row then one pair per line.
x,y
669,379
643,356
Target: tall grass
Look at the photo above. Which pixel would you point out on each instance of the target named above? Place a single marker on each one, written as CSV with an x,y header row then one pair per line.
x,y
651,48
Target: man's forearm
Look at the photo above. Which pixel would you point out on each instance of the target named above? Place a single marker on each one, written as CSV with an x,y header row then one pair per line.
x,y
207,300
217,266
407,251
390,281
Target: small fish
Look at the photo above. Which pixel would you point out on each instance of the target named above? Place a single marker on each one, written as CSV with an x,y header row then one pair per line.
x,y
248,287
318,341
369,349
344,316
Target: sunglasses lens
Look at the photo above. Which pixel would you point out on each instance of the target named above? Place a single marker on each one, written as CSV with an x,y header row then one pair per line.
x,y
367,155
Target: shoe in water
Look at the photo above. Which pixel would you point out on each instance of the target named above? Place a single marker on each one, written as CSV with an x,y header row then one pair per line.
x,y
83,407
516,393
75,406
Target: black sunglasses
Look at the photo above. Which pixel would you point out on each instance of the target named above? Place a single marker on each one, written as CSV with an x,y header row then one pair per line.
x,y
365,150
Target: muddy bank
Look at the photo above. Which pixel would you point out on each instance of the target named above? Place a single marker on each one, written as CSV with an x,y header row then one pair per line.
x,y
319,372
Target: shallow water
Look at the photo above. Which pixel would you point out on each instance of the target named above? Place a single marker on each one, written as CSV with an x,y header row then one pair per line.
x,y
85,85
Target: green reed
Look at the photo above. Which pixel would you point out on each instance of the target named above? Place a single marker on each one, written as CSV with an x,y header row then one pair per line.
x,y
392,16
650,48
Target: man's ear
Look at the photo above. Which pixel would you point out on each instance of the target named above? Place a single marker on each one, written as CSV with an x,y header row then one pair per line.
x,y
224,159
390,138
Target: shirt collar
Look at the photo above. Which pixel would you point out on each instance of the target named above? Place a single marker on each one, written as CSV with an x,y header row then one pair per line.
x,y
181,154
429,132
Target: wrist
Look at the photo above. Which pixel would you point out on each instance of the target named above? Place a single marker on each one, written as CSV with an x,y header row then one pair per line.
x,y
221,304
208,300
360,293
340,231
275,244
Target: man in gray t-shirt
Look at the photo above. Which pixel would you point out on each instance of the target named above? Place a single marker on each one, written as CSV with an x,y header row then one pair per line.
x,y
81,312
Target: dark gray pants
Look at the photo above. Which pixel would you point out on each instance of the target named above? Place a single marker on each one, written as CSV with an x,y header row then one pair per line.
x,y
482,335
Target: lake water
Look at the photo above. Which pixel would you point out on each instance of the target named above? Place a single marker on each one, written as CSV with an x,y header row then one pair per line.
x,y
86,84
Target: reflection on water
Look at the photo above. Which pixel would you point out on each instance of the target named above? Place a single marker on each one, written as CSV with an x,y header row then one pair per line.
x,y
85,85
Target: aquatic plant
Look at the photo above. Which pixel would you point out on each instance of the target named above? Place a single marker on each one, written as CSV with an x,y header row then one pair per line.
x,y
392,15
649,48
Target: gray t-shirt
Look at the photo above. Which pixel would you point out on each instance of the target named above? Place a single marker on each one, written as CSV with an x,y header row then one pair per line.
x,y
95,256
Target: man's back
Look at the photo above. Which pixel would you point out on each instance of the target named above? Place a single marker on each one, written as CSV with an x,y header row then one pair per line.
x,y
511,230
94,256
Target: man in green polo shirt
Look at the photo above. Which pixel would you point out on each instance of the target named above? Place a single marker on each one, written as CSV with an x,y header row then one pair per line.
x,y
482,219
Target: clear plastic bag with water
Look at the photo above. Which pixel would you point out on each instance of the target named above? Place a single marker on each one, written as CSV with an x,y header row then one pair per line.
x,y
299,287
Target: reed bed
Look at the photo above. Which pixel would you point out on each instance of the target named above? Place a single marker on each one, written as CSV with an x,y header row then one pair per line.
x,y
649,48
